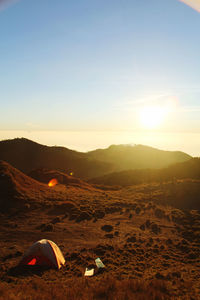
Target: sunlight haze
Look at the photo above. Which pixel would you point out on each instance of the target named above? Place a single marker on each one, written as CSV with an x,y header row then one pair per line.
x,y
101,66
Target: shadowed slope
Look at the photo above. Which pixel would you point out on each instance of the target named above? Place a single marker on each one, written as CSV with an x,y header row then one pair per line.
x,y
17,189
45,175
188,169
27,155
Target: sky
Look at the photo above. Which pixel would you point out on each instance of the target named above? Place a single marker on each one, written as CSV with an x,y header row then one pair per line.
x,y
89,73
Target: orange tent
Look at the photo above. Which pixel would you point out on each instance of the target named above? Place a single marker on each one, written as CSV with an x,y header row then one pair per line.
x,y
44,253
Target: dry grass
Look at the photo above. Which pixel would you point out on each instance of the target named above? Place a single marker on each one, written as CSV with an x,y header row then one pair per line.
x,y
82,289
153,239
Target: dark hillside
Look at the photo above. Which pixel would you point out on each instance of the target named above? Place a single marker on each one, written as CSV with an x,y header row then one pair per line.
x,y
45,175
188,169
27,155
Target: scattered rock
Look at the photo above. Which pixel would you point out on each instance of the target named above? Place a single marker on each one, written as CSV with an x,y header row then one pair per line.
x,y
107,228
142,227
137,210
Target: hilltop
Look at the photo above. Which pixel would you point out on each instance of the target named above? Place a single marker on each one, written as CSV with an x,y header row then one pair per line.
x,y
126,157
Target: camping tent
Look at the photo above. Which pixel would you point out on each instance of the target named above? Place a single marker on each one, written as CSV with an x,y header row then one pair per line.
x,y
43,253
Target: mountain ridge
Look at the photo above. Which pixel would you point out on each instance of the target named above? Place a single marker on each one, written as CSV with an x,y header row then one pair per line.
x,y
27,155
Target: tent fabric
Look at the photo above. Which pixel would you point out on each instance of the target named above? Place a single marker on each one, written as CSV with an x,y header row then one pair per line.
x,y
44,253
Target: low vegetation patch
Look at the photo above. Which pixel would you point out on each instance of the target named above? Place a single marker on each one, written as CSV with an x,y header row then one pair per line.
x,y
82,289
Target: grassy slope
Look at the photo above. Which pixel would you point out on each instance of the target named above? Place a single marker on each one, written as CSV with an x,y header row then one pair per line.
x,y
150,248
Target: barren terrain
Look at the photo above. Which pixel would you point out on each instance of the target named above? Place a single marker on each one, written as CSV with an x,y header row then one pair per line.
x,y
149,246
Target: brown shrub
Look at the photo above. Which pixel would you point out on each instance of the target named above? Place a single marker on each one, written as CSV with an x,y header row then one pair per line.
x,y
48,227
107,228
142,227
83,216
137,210
159,213
99,214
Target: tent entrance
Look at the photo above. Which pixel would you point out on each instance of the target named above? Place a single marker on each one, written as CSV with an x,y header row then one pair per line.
x,y
38,260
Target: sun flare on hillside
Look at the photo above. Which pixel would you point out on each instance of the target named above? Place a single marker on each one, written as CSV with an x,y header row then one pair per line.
x,y
53,182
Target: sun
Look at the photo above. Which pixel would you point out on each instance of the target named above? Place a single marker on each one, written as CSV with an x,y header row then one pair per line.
x,y
152,117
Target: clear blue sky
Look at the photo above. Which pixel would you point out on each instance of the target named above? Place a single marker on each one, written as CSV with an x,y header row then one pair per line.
x,y
90,64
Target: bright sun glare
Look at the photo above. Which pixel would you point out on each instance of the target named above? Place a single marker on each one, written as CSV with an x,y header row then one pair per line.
x,y
152,116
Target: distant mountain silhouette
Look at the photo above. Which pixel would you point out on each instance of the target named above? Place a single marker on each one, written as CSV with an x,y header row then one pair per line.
x,y
189,169
126,157
27,155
